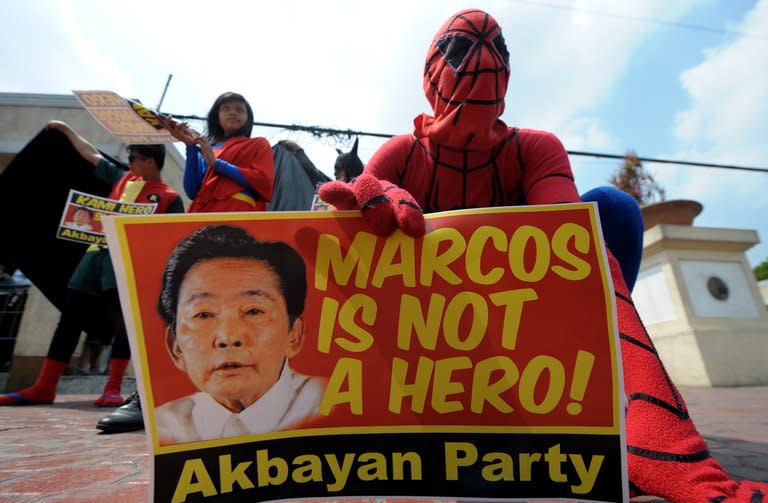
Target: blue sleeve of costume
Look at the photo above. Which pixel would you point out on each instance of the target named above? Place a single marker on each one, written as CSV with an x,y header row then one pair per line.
x,y
622,224
231,171
194,171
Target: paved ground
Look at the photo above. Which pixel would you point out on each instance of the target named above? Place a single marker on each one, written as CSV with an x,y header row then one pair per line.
x,y
54,453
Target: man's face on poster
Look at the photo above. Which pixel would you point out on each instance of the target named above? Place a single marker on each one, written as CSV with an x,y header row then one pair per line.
x,y
81,216
232,329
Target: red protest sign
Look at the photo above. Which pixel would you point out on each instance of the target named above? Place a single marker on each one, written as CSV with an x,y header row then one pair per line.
x,y
485,350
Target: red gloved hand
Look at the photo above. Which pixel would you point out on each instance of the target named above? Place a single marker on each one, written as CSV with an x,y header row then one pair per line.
x,y
385,206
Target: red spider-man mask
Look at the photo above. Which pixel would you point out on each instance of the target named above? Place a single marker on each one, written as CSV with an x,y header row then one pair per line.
x,y
465,80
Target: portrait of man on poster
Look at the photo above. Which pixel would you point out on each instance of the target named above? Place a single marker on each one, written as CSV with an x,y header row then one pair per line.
x,y
81,219
233,309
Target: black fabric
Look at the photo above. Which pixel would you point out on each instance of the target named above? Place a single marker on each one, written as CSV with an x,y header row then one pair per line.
x,y
77,314
349,163
120,347
33,193
296,179
455,50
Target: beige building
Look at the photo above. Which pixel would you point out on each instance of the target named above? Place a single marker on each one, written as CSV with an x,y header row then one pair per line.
x,y
701,304
22,116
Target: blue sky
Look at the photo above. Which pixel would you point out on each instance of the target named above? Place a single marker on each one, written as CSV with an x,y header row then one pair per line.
x,y
681,80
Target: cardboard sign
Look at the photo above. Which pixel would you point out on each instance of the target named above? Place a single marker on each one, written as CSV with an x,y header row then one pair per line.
x,y
128,120
81,218
477,362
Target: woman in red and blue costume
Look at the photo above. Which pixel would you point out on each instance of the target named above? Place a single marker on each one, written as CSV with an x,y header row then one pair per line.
x,y
464,156
224,172
227,170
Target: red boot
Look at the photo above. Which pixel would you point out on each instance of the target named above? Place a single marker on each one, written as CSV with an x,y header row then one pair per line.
x,y
44,389
111,396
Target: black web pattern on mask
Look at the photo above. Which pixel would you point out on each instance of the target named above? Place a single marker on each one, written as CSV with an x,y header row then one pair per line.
x,y
496,193
461,49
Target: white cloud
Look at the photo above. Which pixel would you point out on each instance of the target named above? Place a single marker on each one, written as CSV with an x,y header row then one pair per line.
x,y
566,61
88,51
725,123
729,98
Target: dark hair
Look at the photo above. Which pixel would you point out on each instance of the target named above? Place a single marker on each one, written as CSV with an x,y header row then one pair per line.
x,y
156,152
83,208
349,163
226,241
215,131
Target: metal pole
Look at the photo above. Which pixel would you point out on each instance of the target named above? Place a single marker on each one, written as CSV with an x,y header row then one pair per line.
x,y
162,97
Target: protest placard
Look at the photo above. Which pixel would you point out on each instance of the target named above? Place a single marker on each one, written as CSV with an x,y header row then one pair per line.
x,y
477,362
128,120
81,218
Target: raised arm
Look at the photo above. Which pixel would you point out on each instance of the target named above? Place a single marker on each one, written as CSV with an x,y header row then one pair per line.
x,y
85,149
194,171
195,165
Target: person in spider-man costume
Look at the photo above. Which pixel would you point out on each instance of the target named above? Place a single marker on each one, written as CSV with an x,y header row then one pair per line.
x,y
464,156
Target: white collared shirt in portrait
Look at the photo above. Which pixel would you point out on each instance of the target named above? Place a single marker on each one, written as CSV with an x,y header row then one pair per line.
x,y
292,398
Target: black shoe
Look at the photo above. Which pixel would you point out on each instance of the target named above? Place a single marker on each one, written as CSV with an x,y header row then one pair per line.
x,y
127,417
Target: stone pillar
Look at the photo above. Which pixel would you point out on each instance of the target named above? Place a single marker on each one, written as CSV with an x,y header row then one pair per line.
x,y
701,305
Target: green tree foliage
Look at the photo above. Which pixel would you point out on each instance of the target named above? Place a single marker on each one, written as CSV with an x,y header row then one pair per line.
x,y
633,179
761,270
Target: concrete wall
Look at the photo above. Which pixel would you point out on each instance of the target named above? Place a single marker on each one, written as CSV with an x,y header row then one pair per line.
x,y
703,340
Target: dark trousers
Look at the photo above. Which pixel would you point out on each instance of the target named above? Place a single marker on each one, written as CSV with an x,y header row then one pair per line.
x,y
94,315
